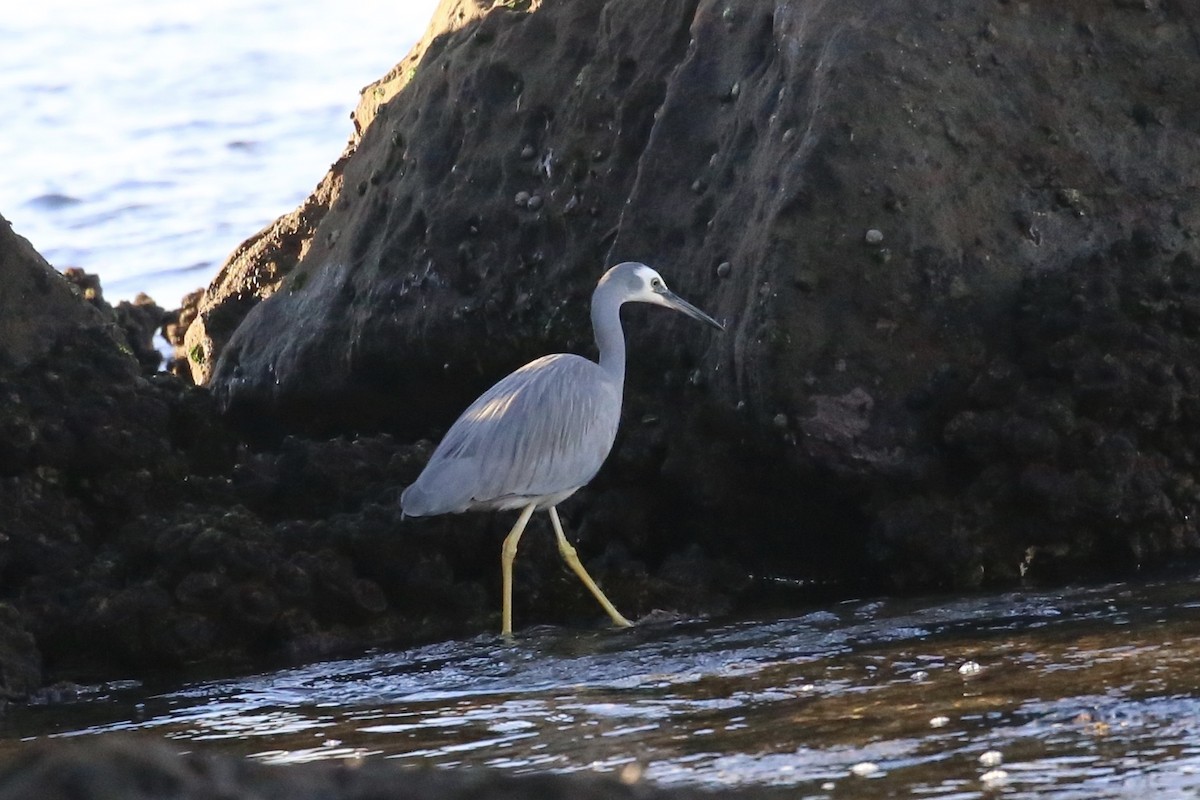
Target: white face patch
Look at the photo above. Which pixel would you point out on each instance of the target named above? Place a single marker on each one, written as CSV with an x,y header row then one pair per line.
x,y
648,276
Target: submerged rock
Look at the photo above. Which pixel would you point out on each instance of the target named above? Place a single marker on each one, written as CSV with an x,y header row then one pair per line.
x,y
148,769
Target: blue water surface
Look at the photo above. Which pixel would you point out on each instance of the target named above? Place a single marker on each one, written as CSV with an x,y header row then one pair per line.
x,y
144,140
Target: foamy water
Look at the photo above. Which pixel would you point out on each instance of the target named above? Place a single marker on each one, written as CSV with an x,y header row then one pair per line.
x,y
144,140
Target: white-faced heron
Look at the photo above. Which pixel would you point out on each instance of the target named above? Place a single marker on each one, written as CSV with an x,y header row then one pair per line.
x,y
537,436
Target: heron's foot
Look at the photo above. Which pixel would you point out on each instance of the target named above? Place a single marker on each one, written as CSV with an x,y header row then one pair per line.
x,y
620,621
572,558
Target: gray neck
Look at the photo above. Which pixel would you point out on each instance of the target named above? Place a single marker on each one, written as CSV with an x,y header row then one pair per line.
x,y
610,338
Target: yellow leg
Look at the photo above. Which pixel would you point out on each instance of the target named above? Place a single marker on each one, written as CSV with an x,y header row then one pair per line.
x,y
572,559
507,553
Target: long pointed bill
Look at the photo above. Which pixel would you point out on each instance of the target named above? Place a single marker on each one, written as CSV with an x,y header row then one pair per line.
x,y
672,300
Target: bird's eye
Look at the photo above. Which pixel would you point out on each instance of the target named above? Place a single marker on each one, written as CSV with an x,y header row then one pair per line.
x,y
656,283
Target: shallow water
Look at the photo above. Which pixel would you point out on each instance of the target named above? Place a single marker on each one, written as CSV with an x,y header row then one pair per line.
x,y
1083,693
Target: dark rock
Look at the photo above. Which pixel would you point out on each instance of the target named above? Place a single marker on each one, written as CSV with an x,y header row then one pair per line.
x,y
483,76
1006,389
20,661
88,286
143,768
141,320
174,329
1080,444
138,534
138,321
683,133
257,268
39,309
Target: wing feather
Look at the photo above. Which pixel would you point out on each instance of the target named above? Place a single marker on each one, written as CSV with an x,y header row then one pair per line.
x,y
542,430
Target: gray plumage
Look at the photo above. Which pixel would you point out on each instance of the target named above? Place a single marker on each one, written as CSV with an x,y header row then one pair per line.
x,y
541,433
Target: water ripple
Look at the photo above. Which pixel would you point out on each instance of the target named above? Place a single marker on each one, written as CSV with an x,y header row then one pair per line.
x,y
873,698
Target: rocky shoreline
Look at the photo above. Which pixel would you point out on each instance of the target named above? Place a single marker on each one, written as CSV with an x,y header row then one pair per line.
x,y
947,400
144,533
957,245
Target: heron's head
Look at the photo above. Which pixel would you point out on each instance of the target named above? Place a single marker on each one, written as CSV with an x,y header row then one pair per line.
x,y
639,283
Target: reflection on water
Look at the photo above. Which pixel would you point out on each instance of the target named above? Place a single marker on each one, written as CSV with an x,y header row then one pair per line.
x,y
1083,693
